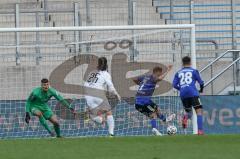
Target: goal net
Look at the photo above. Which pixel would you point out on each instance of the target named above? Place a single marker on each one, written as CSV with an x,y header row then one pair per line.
x,y
66,55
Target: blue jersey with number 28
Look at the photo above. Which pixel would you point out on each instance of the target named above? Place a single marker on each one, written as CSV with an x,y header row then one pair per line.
x,y
185,80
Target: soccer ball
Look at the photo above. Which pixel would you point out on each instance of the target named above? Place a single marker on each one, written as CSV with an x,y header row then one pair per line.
x,y
171,130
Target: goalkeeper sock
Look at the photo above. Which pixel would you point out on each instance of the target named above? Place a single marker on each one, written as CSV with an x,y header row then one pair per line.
x,y
57,129
162,117
110,122
200,122
154,123
44,124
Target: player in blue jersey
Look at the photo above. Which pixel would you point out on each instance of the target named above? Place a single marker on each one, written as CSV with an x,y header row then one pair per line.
x,y
184,81
143,102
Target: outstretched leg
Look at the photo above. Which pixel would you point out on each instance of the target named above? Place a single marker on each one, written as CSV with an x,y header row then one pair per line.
x,y
153,120
163,117
151,112
153,117
160,115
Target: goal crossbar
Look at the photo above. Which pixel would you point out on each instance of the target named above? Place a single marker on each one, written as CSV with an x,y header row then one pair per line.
x,y
98,28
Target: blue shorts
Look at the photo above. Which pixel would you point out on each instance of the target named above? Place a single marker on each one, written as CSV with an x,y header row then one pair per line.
x,y
143,101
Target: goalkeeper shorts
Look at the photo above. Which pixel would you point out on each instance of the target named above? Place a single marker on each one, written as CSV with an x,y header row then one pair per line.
x,y
47,113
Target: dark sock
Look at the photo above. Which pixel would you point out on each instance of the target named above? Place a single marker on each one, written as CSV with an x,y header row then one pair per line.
x,y
57,130
44,124
162,117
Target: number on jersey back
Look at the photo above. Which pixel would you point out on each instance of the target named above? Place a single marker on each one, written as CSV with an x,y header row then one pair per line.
x,y
93,77
185,78
185,81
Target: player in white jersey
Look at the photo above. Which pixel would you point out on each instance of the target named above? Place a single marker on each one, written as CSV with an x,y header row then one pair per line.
x,y
97,83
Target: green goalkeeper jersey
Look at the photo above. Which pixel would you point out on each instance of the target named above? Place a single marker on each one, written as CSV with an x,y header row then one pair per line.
x,y
39,98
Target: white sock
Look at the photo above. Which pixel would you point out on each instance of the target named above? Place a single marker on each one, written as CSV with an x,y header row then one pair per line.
x,y
98,119
110,122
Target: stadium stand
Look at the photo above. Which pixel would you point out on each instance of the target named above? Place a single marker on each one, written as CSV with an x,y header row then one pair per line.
x,y
212,18
217,21
213,21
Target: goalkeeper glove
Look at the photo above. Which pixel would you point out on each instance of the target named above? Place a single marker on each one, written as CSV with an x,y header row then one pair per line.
x,y
27,117
201,88
72,110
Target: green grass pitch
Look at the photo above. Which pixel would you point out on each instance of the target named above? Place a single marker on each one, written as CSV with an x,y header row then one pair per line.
x,y
167,147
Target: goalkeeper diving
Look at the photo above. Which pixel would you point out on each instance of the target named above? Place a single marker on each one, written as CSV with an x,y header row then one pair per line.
x,y
37,105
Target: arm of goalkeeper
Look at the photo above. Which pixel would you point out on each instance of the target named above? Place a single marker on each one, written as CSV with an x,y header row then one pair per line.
x,y
28,104
68,105
63,101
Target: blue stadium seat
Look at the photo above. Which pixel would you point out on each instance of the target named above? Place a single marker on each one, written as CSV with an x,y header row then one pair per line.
x,y
213,19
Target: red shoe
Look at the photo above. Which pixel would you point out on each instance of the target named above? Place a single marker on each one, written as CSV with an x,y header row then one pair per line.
x,y
184,121
200,132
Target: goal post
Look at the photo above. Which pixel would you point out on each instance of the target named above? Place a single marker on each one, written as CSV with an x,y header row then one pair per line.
x,y
66,54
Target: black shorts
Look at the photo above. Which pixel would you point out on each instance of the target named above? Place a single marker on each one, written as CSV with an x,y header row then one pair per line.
x,y
194,102
147,109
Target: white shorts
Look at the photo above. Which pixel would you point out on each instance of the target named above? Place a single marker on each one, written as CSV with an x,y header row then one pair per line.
x,y
97,106
93,102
